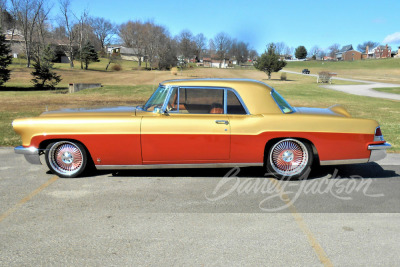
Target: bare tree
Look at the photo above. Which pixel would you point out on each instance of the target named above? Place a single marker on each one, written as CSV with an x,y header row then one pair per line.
x,y
253,55
132,35
280,48
40,38
314,51
200,41
154,36
68,23
363,47
103,29
82,29
240,51
222,44
187,45
333,49
289,52
26,12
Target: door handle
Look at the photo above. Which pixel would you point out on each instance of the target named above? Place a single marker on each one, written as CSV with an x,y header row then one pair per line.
x,y
222,122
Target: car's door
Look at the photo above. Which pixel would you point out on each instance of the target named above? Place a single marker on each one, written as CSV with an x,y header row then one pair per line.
x,y
194,129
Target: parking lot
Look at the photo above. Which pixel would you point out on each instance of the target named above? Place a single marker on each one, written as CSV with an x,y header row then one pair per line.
x,y
341,216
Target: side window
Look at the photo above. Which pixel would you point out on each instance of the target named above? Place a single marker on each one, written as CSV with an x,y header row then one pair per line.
x,y
201,101
233,104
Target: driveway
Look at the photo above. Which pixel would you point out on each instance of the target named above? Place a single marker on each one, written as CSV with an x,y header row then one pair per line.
x,y
365,89
192,217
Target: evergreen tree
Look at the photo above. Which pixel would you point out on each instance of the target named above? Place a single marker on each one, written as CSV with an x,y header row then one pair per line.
x,y
44,77
5,60
270,61
89,54
301,52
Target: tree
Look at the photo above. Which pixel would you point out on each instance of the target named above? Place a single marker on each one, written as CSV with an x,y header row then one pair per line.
x,y
68,23
301,52
362,47
26,13
44,77
132,35
103,30
187,46
5,60
333,49
222,44
280,48
200,42
253,55
240,51
314,52
270,61
89,54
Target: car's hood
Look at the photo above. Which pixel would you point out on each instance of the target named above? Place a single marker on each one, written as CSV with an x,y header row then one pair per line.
x,y
90,111
331,111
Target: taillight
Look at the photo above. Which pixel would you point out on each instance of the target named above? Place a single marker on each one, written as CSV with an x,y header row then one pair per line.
x,y
378,135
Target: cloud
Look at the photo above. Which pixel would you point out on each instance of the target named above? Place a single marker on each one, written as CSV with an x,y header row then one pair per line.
x,y
392,38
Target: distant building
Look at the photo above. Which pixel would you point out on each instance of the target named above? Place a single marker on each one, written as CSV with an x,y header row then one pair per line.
x,y
126,53
381,51
348,53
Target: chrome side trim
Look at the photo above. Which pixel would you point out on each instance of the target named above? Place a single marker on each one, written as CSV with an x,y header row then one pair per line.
x,y
26,150
342,162
32,154
176,166
380,146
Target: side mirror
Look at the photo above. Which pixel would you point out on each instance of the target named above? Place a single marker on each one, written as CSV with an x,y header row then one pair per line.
x,y
159,111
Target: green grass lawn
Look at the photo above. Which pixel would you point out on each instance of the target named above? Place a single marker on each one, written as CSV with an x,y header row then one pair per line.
x,y
392,90
381,70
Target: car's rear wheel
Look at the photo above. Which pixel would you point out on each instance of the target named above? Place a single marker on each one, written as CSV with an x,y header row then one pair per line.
x,y
66,159
289,159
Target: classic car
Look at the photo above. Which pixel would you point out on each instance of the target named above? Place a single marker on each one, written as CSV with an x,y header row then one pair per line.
x,y
201,123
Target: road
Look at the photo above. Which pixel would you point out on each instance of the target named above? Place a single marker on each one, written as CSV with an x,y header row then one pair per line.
x,y
200,217
365,89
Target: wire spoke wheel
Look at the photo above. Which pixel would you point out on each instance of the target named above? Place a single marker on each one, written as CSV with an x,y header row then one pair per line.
x,y
289,158
66,159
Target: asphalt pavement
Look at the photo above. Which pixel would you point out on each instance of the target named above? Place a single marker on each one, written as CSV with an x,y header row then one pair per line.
x,y
342,215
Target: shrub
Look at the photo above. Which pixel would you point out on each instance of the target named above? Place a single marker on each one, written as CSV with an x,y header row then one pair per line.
x,y
116,67
174,71
324,77
283,76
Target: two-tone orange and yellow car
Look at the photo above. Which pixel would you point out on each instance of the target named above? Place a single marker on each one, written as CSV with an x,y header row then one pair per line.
x,y
201,123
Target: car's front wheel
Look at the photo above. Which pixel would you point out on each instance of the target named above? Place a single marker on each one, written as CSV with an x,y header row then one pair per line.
x,y
289,159
66,159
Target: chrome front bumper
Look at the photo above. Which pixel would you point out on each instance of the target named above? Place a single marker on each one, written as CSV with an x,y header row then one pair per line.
x,y
32,154
378,152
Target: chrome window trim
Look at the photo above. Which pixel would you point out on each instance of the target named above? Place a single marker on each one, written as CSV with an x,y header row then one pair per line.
x,y
271,93
214,88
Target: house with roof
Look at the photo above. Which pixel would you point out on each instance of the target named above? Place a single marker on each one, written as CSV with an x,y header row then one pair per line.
x,y
348,53
381,51
126,53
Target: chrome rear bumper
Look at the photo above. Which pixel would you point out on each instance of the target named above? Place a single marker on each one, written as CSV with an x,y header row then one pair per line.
x,y
32,154
378,152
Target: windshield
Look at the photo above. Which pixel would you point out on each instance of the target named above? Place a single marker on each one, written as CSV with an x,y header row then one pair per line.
x,y
283,105
157,99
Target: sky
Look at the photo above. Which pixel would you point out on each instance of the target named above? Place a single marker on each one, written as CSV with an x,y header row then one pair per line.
x,y
259,22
